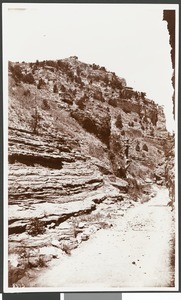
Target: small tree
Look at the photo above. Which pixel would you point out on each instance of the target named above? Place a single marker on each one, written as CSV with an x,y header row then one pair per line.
x,y
55,88
138,147
28,78
119,123
152,131
143,95
36,227
145,147
16,72
131,124
35,120
63,89
45,105
81,102
41,83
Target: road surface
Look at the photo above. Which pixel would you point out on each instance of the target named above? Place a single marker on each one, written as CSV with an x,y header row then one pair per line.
x,y
136,252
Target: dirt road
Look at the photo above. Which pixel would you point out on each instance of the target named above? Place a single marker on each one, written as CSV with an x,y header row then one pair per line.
x,y
135,252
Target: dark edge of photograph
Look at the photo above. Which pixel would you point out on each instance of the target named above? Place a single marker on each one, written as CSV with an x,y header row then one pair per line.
x,y
30,296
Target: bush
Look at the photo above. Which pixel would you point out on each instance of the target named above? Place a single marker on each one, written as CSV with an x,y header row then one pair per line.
x,y
135,189
95,67
126,110
35,121
116,83
28,78
143,95
26,93
63,89
16,72
55,89
36,227
98,96
119,123
138,147
81,102
41,83
64,66
152,131
45,105
103,69
154,118
112,102
131,124
51,63
145,147
78,80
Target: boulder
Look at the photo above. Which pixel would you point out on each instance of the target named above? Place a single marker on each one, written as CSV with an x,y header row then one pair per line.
x,y
148,180
33,262
44,258
84,236
82,224
121,184
65,225
13,260
50,250
55,243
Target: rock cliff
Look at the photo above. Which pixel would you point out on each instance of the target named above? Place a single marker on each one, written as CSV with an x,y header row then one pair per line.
x,y
78,138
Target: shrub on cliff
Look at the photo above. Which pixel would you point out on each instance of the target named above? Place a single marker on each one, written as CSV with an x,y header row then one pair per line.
x,y
64,66
127,110
137,147
119,123
45,104
36,227
35,121
152,131
16,72
112,102
63,89
145,147
28,78
41,84
116,83
131,124
55,89
81,102
98,96
95,67
154,118
134,188
26,93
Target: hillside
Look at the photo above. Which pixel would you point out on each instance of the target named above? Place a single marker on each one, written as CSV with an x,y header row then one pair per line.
x,y
78,137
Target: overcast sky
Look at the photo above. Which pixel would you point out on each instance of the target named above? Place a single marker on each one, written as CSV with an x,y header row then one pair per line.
x,y
130,40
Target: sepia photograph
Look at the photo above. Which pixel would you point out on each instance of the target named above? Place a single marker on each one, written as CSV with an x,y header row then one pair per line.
x,y
90,97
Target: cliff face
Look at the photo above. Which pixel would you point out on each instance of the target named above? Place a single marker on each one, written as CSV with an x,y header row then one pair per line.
x,y
170,18
170,167
67,115
78,136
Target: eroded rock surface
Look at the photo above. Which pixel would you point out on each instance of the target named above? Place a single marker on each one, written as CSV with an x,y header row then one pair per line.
x,y
81,145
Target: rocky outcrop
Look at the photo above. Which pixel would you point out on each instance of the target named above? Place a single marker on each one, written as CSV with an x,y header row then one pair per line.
x,y
170,17
170,167
94,119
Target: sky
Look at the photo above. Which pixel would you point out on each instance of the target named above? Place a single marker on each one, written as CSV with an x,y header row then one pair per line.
x,y
130,40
